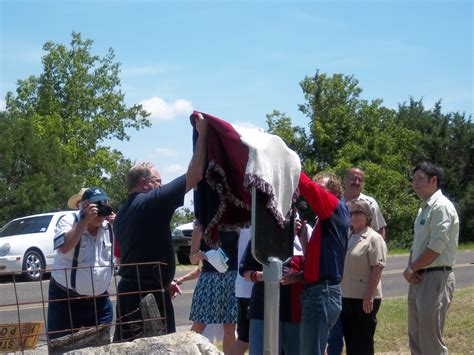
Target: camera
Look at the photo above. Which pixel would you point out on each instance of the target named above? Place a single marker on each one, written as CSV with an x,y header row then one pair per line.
x,y
103,209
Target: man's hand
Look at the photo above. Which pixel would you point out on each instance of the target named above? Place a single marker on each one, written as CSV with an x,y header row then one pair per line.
x,y
111,218
201,124
90,212
411,276
301,230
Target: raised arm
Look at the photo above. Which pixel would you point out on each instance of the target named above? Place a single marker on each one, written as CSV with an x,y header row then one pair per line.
x,y
322,202
198,161
73,236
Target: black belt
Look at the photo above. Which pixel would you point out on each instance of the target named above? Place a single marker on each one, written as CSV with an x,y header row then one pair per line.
x,y
69,291
437,268
321,282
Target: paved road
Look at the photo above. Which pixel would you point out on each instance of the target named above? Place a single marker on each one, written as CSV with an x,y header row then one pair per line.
x,y
31,294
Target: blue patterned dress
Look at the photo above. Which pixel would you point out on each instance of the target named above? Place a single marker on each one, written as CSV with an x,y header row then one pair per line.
x,y
214,300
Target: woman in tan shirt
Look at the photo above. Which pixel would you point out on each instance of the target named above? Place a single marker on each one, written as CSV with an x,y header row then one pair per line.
x,y
361,287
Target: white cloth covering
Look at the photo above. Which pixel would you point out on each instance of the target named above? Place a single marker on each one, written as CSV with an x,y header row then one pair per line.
x,y
274,164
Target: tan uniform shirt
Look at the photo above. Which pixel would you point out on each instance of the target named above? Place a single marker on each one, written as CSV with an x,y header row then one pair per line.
x,y
437,227
369,249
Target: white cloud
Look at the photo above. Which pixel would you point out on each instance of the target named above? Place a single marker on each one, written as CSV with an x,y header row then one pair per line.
x,y
147,70
176,169
161,110
165,152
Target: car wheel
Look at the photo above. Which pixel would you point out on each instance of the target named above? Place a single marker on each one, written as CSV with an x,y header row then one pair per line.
x,y
183,258
33,263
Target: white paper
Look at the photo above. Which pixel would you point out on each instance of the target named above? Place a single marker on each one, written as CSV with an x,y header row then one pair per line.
x,y
218,259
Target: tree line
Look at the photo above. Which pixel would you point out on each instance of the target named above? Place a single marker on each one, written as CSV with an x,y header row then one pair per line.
x,y
54,128
345,130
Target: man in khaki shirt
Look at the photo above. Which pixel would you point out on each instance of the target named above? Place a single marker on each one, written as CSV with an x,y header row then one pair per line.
x,y
432,257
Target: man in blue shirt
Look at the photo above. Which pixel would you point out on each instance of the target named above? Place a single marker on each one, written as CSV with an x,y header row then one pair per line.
x,y
142,230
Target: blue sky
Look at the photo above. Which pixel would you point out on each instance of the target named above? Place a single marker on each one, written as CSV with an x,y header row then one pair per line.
x,y
240,60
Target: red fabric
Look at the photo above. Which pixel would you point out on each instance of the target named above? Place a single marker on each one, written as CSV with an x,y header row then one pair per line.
x,y
227,159
116,249
323,204
296,265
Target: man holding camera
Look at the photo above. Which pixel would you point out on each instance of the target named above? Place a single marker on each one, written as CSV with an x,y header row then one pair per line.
x,y
83,267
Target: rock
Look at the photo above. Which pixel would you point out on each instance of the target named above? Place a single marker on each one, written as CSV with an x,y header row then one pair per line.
x,y
187,342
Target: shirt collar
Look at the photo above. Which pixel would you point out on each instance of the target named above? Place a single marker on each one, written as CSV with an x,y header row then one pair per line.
x,y
363,233
432,199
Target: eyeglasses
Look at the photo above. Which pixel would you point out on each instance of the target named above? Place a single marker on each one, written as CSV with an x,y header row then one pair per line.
x,y
354,178
154,180
356,213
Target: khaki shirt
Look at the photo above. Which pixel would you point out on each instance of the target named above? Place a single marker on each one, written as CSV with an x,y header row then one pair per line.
x,y
367,251
437,227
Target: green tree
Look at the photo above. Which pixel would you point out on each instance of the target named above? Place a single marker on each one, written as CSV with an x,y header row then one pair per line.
x,y
345,130
34,168
295,137
74,105
181,216
448,140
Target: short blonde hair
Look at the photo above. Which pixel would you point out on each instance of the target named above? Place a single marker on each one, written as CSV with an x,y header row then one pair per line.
x,y
136,172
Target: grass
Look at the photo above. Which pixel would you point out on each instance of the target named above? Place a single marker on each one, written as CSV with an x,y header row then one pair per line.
x,y
392,327
391,334
466,246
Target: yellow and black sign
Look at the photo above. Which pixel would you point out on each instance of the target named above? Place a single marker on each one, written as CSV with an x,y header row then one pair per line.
x,y
19,336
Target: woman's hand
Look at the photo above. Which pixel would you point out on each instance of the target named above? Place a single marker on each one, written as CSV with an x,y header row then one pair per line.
x,y
254,276
292,278
200,255
368,304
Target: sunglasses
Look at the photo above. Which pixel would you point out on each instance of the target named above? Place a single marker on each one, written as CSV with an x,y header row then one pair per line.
x,y
356,213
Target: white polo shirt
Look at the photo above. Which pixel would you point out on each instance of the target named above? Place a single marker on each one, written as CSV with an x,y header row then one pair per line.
x,y
94,273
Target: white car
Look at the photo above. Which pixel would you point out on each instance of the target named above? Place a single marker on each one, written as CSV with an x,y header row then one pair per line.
x,y
26,244
181,236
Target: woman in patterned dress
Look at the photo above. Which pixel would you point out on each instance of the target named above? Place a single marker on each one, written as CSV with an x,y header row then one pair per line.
x,y
214,299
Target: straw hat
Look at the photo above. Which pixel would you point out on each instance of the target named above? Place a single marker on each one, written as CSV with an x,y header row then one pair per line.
x,y
75,199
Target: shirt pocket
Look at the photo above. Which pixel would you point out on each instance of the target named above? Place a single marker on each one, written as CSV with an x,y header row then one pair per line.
x,y
106,249
87,251
360,284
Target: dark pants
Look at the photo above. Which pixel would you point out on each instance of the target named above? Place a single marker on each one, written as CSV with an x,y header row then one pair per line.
x,y
74,314
128,309
243,322
335,339
358,326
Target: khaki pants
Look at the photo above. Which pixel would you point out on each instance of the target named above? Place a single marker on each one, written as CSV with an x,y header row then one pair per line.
x,y
428,302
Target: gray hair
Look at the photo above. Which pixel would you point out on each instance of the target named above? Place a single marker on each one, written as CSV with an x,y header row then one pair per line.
x,y
136,172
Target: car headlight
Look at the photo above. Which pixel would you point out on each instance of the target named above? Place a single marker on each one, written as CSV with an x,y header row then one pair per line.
x,y
4,249
177,233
